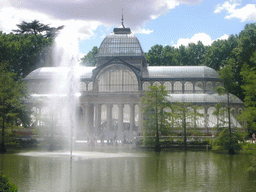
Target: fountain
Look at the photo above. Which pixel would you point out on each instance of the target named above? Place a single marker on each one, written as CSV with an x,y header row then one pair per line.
x,y
63,99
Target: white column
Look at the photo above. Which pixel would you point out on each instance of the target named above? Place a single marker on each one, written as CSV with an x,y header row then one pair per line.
x,y
120,117
97,116
132,117
89,116
206,120
140,123
109,116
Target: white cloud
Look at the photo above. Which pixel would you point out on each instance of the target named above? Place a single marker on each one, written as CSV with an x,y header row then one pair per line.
x,y
228,5
203,37
143,31
223,37
4,3
246,13
108,12
13,16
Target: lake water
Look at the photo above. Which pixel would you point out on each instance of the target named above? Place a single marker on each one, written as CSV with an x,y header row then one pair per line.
x,y
128,170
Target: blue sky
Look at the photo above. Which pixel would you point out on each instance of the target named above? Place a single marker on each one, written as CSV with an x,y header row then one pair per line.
x,y
165,22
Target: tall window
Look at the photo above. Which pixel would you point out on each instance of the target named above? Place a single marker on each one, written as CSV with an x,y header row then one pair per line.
x,y
209,87
117,78
199,87
188,87
168,86
177,87
145,86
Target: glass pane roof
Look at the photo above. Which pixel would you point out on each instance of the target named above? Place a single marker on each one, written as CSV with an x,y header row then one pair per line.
x,y
120,45
153,72
203,98
52,72
181,72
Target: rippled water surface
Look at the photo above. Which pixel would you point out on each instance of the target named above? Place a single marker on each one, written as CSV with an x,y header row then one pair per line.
x,y
128,170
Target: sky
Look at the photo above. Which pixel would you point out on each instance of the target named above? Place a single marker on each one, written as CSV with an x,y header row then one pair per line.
x,y
163,22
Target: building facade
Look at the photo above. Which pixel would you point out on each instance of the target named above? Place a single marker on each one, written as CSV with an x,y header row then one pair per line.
x,y
111,92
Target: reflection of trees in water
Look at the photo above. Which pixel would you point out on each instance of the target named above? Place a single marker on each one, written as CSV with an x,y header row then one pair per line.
x,y
165,171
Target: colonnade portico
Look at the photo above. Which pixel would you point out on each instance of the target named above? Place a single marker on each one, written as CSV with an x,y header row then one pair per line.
x,y
95,118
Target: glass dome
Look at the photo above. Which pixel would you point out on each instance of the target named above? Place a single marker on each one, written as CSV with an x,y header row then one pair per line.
x,y
121,42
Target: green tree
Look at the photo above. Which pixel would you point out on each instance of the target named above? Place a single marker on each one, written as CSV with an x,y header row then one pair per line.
x,y
155,56
196,53
225,142
170,56
24,52
219,52
183,56
185,115
35,28
227,75
12,93
89,59
242,54
249,113
156,118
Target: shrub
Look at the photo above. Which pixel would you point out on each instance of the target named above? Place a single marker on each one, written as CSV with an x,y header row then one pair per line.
x,y
6,185
223,142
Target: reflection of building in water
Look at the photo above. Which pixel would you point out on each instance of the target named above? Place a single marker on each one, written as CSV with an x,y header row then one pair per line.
x,y
111,91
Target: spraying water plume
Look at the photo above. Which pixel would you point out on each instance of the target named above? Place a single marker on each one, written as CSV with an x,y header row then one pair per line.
x,y
64,86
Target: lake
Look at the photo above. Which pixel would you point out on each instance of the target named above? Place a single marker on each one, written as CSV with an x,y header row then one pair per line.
x,y
128,170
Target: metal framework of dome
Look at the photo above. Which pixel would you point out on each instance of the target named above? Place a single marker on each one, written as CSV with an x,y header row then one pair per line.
x,y
121,42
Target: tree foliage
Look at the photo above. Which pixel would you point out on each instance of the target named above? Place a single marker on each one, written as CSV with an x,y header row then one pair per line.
x,y
249,113
224,142
29,48
6,185
153,105
35,28
89,59
24,52
12,94
184,116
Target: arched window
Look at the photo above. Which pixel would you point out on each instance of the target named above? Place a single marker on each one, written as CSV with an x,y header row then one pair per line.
x,y
90,86
188,87
218,84
168,86
145,86
82,86
117,78
199,87
209,87
177,87
157,83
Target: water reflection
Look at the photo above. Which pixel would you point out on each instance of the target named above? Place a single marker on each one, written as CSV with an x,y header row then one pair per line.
x,y
165,171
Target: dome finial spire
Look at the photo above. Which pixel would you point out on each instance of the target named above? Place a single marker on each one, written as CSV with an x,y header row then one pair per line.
x,y
123,18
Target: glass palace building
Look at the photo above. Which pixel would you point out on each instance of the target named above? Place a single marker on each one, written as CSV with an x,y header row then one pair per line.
x,y
111,92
